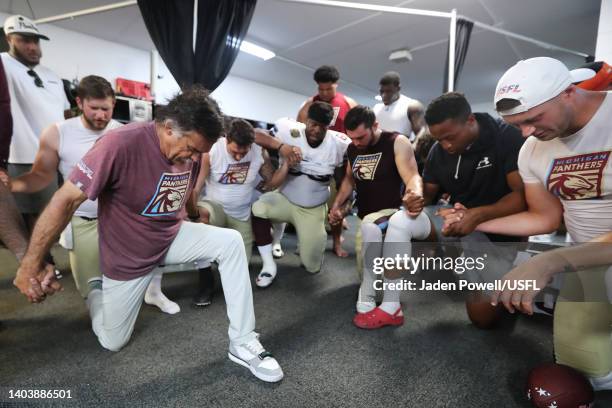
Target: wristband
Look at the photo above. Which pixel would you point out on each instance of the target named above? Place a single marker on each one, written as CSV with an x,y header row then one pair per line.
x,y
279,147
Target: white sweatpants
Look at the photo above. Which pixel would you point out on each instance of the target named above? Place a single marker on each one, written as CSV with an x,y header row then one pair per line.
x,y
114,309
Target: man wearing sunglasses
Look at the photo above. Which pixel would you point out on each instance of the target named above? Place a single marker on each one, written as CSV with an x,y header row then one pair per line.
x,y
37,101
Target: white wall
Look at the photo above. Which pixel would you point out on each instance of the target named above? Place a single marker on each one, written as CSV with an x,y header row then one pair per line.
x,y
603,50
74,55
253,100
486,107
240,97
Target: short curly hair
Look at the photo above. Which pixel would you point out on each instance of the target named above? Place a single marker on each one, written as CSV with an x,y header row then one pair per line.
x,y
326,73
451,105
241,132
193,110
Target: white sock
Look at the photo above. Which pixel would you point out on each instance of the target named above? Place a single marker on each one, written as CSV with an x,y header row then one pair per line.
x,y
371,247
602,383
277,234
267,259
365,304
155,297
278,229
391,303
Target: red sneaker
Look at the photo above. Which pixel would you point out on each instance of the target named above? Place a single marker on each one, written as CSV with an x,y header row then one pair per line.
x,y
378,318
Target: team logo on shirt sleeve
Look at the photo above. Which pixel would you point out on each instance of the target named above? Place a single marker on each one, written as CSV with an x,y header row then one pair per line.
x,y
578,177
364,167
236,173
169,195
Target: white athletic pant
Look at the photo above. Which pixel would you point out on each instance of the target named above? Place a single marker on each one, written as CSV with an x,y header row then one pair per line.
x,y
114,310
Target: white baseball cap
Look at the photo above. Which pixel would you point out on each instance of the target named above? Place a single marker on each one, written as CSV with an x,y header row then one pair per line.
x,y
19,24
582,74
532,82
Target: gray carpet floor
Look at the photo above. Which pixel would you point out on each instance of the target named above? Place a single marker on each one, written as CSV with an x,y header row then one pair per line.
x,y
436,359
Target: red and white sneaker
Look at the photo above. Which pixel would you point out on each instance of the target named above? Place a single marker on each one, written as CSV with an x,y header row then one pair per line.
x,y
378,318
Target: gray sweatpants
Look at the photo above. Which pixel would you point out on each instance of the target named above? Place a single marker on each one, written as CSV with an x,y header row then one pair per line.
x,y
114,310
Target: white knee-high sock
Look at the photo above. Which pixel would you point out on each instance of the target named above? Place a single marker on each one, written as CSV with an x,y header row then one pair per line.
x,y
278,229
155,297
267,259
602,383
401,231
371,248
391,298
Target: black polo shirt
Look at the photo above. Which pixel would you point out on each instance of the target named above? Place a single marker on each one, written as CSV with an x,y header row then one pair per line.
x,y
477,176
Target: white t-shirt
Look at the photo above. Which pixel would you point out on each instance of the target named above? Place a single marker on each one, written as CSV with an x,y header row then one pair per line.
x,y
74,141
231,183
320,162
394,117
33,108
578,170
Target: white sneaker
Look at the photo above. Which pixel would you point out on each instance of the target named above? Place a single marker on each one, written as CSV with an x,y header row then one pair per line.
x,y
253,356
277,250
265,278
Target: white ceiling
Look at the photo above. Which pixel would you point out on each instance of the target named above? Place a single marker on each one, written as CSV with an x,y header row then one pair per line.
x,y
359,42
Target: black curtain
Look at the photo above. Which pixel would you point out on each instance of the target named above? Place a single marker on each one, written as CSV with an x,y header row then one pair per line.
x,y
222,24
462,42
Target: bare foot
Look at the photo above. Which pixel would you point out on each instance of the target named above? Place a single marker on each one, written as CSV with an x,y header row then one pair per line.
x,y
341,253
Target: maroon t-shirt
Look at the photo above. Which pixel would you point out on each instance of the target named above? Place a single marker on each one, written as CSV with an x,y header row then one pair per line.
x,y
141,198
6,120
377,181
341,107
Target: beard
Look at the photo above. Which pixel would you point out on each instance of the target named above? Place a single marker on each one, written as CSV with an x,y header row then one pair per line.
x,y
30,60
96,124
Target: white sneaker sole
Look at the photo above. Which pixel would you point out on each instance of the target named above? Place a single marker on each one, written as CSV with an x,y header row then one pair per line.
x,y
263,377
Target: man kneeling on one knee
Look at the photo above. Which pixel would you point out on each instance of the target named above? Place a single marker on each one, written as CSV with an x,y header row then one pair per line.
x,y
474,161
231,172
143,175
302,199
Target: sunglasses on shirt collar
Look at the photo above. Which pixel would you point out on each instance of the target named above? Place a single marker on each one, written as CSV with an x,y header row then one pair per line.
x,y
37,81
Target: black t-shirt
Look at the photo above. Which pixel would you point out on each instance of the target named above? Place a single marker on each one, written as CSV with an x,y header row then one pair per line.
x,y
477,176
377,181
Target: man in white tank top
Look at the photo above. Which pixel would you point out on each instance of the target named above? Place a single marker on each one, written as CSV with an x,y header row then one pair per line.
x,y
302,199
230,173
397,112
62,145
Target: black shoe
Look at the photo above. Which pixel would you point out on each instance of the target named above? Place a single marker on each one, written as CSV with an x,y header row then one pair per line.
x,y
206,288
203,298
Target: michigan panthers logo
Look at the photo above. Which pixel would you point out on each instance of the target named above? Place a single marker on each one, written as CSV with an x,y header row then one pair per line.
x,y
236,173
364,167
169,195
578,177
